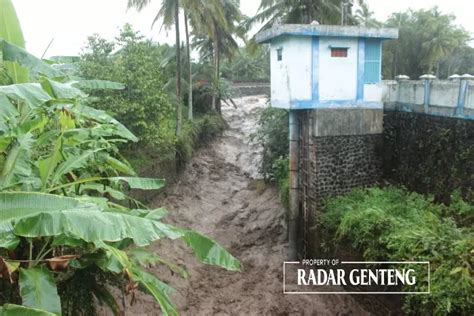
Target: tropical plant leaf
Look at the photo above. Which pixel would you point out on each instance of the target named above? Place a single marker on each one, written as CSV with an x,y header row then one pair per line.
x,y
65,59
16,205
158,289
72,163
142,257
120,166
7,268
8,113
141,183
61,90
31,93
91,226
101,116
10,30
210,252
38,290
104,296
7,239
17,310
103,189
36,66
46,166
17,164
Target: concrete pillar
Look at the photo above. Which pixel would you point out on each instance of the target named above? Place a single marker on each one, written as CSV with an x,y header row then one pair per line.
x,y
294,185
399,79
427,81
463,86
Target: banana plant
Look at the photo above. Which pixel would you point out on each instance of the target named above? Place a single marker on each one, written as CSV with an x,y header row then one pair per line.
x,y
63,191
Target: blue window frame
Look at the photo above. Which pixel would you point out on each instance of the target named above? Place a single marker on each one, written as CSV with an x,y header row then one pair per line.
x,y
373,63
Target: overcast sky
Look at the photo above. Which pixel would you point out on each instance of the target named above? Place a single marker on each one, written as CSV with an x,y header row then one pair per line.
x,y
70,22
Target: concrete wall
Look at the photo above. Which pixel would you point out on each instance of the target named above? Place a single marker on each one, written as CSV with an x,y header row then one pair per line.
x,y
453,98
291,77
337,76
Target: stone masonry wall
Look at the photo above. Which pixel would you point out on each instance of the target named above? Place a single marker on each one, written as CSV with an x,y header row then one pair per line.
x,y
345,162
429,154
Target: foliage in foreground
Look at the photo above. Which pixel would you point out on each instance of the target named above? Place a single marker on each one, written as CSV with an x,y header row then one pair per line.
x,y
65,236
393,224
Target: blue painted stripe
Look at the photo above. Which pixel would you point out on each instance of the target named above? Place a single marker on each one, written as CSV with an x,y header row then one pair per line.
x,y
427,92
361,69
333,104
315,68
411,108
462,97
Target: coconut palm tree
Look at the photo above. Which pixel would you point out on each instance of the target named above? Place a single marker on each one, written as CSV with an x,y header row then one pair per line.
x,y
296,11
196,15
215,24
365,17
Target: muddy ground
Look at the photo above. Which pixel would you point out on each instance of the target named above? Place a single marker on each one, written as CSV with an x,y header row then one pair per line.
x,y
220,195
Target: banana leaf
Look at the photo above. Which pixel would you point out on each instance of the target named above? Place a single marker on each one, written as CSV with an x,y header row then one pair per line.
x,y
17,310
18,55
31,93
159,290
38,290
16,205
10,30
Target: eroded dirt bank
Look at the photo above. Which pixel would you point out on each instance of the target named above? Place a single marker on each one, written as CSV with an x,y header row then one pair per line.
x,y
219,196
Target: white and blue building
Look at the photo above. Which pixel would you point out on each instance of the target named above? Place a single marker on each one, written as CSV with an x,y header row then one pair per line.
x,y
326,66
329,78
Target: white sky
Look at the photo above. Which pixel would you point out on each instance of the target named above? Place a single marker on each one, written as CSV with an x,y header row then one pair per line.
x,y
70,22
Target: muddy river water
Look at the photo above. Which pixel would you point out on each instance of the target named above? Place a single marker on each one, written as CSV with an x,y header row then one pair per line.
x,y
218,196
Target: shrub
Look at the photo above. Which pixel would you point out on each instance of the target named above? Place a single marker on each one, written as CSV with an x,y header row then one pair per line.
x,y
196,133
143,106
272,135
393,224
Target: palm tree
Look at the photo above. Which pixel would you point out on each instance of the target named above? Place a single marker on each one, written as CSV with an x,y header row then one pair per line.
x,y
195,14
170,13
215,23
272,12
365,17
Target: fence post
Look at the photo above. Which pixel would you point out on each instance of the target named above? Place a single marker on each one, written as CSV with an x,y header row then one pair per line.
x,y
427,82
462,93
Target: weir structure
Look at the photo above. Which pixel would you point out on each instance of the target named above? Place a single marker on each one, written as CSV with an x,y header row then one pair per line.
x,y
329,78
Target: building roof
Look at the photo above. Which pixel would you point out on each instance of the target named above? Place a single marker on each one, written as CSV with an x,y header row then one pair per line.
x,y
325,30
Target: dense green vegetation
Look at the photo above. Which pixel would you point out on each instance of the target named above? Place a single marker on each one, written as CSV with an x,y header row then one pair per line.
x,y
393,224
66,237
249,64
429,42
145,105
64,230
272,135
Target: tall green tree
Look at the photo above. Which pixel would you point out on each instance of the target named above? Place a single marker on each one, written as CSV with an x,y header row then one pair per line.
x,y
426,38
297,11
169,12
365,16
216,26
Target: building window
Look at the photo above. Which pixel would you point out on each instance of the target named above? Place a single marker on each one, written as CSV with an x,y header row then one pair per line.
x,y
280,54
373,64
338,52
